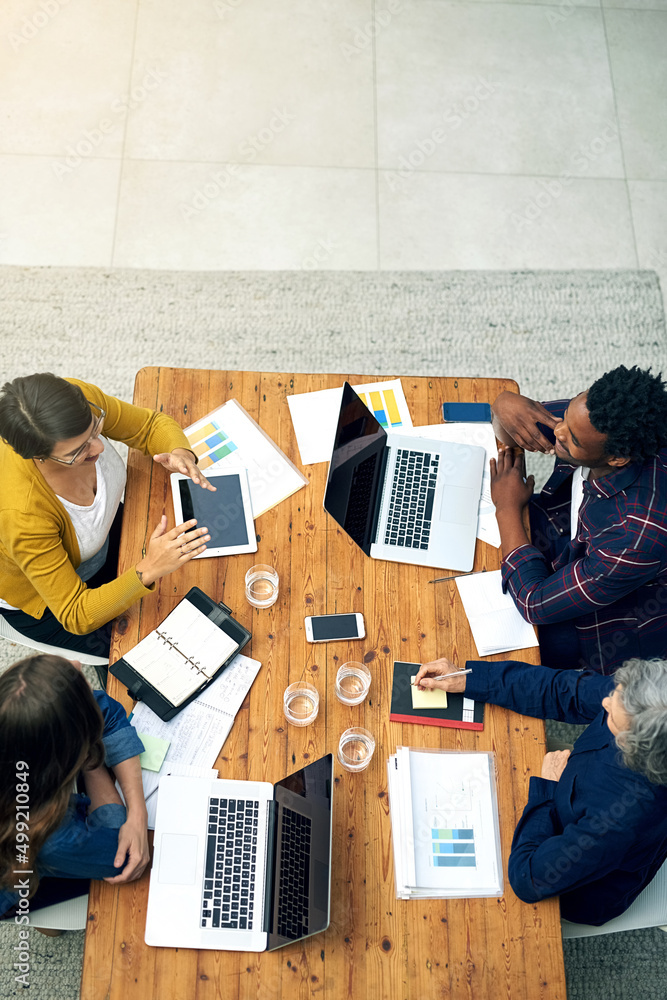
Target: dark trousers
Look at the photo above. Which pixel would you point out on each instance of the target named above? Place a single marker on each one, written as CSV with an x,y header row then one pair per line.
x,y
50,891
49,630
559,641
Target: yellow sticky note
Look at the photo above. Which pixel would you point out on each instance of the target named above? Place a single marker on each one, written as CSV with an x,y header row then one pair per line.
x,y
155,750
433,698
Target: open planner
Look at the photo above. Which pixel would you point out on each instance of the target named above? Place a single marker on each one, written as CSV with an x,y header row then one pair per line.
x,y
178,659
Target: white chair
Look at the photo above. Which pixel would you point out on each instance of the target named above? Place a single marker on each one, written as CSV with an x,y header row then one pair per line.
x,y
70,915
648,910
99,662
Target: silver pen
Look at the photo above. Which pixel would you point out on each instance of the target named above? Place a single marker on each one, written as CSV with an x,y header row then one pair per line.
x,y
440,579
454,673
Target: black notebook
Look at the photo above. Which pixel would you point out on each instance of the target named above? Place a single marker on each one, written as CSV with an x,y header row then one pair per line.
x,y
461,712
183,655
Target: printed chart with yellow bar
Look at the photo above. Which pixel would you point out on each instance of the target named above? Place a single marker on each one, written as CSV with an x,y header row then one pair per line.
x,y
210,443
383,405
229,438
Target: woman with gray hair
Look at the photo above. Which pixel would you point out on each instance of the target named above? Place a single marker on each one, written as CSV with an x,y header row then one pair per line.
x,y
594,830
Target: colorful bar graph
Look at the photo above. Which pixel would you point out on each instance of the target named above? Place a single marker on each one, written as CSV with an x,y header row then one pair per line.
x,y
453,847
210,444
383,406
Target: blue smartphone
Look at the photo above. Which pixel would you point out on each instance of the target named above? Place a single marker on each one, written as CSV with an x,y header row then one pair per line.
x,y
463,413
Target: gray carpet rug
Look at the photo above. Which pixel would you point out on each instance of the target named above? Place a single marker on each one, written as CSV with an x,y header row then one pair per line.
x,y
554,332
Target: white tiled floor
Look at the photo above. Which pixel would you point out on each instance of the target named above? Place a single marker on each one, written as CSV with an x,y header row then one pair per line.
x,y
335,134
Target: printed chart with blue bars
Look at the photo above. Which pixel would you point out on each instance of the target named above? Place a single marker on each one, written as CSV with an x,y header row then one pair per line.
x,y
453,848
384,407
210,444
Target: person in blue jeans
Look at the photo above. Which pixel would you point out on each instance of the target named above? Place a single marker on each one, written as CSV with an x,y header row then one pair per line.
x,y
594,829
58,735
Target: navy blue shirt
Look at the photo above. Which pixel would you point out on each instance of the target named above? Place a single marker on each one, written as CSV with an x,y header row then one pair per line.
x,y
598,835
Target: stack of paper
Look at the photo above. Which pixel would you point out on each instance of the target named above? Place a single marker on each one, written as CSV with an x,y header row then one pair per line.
x,y
444,824
196,735
495,623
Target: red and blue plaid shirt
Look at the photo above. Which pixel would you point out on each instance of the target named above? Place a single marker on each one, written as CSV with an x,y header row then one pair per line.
x,y
611,578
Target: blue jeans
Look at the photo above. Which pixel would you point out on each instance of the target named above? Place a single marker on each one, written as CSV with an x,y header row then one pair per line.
x,y
66,872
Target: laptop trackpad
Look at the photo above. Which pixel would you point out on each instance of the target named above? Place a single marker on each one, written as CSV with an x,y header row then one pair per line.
x,y
458,505
178,858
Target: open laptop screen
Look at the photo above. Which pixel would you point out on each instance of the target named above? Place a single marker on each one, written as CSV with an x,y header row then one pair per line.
x,y
301,899
355,469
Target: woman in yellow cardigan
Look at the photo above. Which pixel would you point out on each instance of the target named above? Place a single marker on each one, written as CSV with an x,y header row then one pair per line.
x,y
61,483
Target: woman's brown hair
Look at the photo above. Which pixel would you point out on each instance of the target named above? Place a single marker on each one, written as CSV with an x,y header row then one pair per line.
x,y
36,411
51,724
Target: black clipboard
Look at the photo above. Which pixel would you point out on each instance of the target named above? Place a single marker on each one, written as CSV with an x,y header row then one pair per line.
x,y
140,689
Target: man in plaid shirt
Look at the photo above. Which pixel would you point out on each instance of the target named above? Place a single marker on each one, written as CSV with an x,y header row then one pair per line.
x,y
594,576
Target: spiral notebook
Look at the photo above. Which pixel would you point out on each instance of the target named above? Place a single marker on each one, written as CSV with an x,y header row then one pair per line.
x,y
179,658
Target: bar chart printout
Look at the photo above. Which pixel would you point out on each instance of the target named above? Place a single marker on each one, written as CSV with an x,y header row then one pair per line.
x,y
453,848
228,438
211,443
445,826
383,405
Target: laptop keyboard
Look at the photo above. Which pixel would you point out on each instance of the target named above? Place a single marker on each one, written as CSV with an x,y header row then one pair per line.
x,y
294,874
231,855
411,500
356,516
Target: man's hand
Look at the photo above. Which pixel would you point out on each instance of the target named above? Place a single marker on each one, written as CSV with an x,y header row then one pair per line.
x,y
509,489
518,416
554,764
183,461
434,675
133,844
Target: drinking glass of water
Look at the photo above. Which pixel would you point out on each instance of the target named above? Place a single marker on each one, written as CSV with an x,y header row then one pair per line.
x,y
352,682
261,586
355,749
301,703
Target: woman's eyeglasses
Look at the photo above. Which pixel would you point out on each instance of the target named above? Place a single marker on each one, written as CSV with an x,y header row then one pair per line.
x,y
99,414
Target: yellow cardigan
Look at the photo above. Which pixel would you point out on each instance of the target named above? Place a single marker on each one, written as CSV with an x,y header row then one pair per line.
x,y
39,552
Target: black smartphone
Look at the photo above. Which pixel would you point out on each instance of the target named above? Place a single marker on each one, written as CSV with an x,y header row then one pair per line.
x,y
463,413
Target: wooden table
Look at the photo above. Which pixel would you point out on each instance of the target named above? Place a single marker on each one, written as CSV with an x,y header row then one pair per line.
x,y
376,947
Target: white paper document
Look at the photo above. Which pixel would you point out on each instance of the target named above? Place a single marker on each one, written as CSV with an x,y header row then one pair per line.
x,y
229,438
315,415
495,623
197,734
480,434
444,819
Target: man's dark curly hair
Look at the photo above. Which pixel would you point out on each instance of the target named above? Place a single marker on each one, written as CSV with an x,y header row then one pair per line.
x,y
629,405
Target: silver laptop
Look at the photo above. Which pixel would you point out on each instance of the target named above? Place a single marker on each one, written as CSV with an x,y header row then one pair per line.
x,y
406,499
241,865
